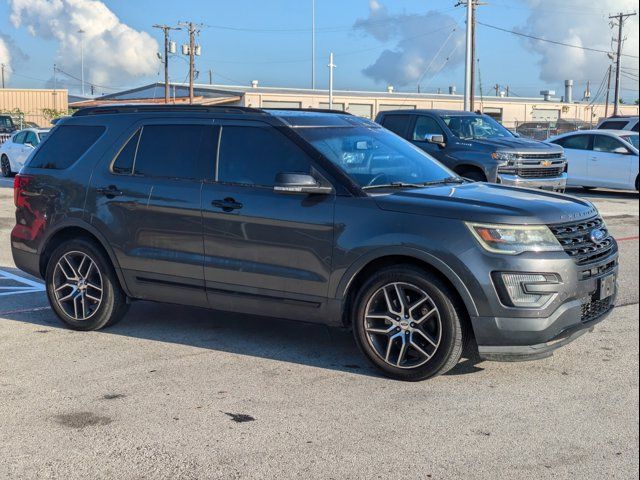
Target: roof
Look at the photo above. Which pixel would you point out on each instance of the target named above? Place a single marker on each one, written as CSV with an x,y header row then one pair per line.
x,y
199,100
434,111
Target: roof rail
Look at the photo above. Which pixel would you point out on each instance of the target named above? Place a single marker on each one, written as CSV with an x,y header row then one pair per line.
x,y
147,108
313,110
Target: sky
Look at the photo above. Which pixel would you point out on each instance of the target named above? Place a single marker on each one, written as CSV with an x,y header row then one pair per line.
x,y
405,43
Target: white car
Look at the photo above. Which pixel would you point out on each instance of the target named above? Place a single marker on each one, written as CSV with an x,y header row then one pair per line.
x,y
601,158
619,122
15,151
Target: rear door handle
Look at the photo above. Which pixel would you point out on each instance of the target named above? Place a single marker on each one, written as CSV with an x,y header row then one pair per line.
x,y
227,205
110,191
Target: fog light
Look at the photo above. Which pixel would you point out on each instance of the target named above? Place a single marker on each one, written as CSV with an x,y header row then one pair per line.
x,y
527,290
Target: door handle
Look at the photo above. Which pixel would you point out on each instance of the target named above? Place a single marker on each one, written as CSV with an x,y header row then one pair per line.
x,y
227,205
110,191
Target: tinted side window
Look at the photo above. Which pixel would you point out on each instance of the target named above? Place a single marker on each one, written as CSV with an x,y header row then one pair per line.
x,y
255,155
635,127
19,138
613,125
426,126
397,123
31,138
604,143
575,142
176,151
65,146
124,161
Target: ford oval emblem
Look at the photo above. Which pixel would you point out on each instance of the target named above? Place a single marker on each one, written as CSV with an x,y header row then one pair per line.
x,y
597,235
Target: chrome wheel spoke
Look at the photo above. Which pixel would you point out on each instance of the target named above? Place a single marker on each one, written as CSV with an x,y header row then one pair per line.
x,y
395,325
77,285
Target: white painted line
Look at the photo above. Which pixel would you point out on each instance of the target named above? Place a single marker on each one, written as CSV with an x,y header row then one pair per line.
x,y
26,285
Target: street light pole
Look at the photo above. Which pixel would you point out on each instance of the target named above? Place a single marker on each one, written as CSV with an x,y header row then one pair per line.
x,y
468,57
331,66
313,44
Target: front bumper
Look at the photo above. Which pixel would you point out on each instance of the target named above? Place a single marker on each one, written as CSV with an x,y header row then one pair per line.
x,y
557,184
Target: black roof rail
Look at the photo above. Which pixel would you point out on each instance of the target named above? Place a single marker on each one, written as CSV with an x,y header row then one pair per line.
x,y
313,110
148,108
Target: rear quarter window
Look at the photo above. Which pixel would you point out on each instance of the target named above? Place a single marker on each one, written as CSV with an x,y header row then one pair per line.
x,y
65,145
398,124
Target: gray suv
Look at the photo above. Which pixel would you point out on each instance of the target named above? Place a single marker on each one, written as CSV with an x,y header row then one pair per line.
x,y
312,216
477,147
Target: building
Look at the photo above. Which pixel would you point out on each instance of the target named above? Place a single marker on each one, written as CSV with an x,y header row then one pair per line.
x,y
37,106
511,111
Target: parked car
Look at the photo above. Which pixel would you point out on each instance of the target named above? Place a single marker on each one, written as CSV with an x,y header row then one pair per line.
x,y
601,158
17,149
619,122
477,147
319,217
7,127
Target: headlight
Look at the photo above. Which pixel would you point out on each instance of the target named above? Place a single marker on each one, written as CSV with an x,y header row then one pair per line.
x,y
515,239
504,156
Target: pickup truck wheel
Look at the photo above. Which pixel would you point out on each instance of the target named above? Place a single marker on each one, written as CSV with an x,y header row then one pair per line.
x,y
83,288
406,324
5,166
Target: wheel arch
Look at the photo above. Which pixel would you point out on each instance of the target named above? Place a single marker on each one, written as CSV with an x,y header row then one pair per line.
x,y
356,275
467,167
77,229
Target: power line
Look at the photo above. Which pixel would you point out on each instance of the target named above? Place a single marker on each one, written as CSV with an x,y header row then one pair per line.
x,y
554,42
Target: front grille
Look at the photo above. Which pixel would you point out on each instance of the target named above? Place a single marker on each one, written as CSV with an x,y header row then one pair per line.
x,y
539,156
4,137
525,172
575,238
594,309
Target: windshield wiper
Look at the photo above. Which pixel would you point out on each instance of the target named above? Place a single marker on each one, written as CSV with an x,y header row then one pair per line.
x,y
393,185
445,181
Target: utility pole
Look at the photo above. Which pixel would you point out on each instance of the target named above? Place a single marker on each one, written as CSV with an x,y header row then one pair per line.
x,y
210,77
618,20
606,101
313,44
55,87
468,58
2,67
472,94
167,50
506,89
81,32
496,87
331,68
192,50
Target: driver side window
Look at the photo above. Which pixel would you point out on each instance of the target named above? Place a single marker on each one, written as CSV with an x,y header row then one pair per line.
x,y
606,144
255,155
426,126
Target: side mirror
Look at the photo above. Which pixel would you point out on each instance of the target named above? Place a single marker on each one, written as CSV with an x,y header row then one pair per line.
x,y
621,151
437,139
299,183
29,144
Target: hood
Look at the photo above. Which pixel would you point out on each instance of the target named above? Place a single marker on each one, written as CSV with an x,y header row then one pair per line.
x,y
515,144
488,203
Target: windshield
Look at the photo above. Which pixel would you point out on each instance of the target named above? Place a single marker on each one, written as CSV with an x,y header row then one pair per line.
x,y
470,127
375,156
632,139
6,122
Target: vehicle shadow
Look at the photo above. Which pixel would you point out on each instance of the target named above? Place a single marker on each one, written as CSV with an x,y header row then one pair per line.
x,y
274,339
602,194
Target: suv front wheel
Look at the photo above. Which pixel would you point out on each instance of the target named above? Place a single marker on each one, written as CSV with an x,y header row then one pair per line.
x,y
82,286
406,324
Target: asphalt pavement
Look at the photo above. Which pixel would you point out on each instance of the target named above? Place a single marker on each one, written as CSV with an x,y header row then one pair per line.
x,y
185,393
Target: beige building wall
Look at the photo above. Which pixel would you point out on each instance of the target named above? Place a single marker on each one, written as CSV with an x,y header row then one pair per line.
x,y
32,102
512,111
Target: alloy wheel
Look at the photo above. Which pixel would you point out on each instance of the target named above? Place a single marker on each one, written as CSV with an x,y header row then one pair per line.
x,y
6,166
403,325
78,286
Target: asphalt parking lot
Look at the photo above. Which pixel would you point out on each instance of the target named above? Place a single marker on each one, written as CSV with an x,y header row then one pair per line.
x,y
174,392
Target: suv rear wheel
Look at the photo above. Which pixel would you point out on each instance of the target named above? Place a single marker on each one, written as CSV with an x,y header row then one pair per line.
x,y
406,324
82,286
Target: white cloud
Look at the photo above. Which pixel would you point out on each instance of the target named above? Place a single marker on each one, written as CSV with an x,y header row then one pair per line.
x,y
5,57
425,44
583,25
114,53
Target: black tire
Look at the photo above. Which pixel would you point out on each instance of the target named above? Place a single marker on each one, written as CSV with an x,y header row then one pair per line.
x,y
5,167
451,340
113,305
475,175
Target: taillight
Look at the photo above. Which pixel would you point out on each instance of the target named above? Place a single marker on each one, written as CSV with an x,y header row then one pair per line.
x,y
20,183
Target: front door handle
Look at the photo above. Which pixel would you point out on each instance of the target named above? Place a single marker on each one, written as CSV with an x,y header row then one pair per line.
x,y
111,191
227,205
